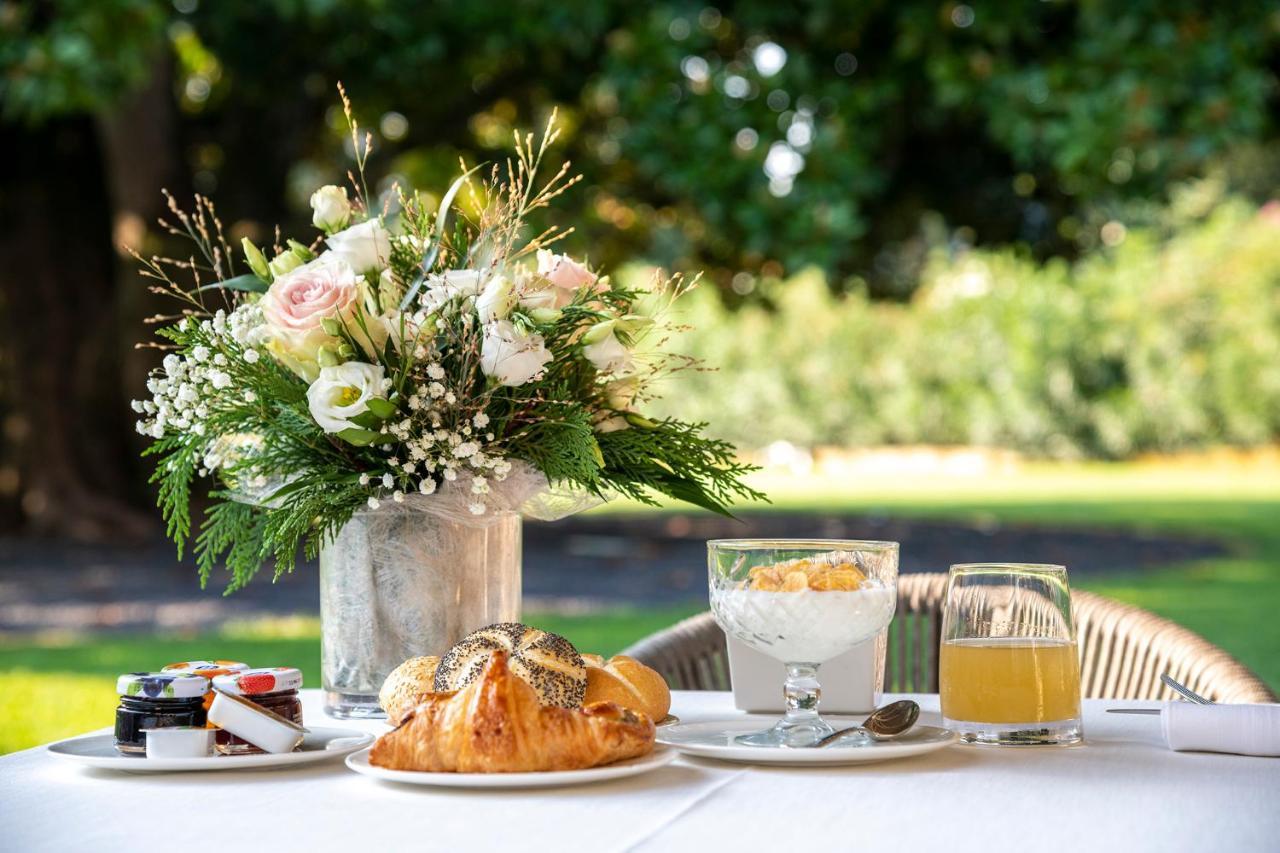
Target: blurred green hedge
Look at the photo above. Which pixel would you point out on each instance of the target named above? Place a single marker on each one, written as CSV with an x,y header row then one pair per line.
x,y
1168,339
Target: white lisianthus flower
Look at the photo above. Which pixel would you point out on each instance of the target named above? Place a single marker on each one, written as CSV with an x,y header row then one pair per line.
x,y
511,357
365,247
330,208
440,288
342,392
612,423
496,300
602,348
621,393
298,302
397,326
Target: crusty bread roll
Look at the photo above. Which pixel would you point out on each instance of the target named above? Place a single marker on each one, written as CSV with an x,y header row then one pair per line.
x,y
497,725
546,662
406,686
629,683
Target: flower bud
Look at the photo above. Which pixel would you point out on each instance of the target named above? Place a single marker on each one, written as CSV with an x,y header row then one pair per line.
x,y
326,357
332,326
284,262
346,351
545,315
599,332
255,259
301,250
330,207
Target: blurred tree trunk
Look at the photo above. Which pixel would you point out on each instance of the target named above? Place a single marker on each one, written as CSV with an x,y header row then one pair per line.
x,y
70,311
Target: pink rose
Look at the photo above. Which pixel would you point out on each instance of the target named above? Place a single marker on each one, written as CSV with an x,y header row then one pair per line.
x,y
564,272
299,300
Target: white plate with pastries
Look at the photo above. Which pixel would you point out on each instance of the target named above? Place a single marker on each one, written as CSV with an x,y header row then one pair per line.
x,y
510,706
716,740
660,757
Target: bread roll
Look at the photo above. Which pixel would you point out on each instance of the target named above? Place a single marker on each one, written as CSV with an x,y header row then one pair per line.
x,y
406,686
629,683
497,725
546,662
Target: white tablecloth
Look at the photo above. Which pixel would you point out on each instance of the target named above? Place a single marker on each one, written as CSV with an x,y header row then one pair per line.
x,y
1121,791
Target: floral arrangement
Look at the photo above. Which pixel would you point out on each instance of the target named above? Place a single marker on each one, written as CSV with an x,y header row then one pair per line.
x,y
413,350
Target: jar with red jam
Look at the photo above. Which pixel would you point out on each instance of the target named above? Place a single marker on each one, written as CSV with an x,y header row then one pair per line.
x,y
273,688
156,700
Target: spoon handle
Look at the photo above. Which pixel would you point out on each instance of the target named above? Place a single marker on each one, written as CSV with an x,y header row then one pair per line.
x,y
842,734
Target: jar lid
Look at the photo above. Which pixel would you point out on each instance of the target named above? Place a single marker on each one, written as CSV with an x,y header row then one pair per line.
x,y
161,685
255,682
206,668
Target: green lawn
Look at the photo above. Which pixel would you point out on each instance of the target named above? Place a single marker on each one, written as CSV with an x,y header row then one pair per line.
x,y
52,687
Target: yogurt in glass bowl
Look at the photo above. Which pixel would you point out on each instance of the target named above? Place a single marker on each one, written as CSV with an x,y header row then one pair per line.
x,y
802,602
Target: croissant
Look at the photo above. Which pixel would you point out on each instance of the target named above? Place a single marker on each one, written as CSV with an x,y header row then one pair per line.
x,y
496,725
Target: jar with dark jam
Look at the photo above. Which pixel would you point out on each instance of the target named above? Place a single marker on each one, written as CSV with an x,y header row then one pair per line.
x,y
273,688
156,700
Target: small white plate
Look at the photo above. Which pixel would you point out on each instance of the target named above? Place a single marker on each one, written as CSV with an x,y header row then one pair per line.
x,y
320,744
715,740
359,762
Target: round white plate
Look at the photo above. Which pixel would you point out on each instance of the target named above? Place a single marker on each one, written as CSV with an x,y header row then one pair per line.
x,y
715,740
320,744
359,762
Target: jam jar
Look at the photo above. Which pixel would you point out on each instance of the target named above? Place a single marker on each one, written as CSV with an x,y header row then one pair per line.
x,y
208,669
274,688
156,700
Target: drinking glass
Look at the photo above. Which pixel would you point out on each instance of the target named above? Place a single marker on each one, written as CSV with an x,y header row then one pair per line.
x,y
802,602
1009,668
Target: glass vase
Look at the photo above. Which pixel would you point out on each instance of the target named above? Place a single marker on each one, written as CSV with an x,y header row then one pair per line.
x,y
399,582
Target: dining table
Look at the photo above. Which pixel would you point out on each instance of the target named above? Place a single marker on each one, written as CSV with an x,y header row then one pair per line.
x,y
1121,790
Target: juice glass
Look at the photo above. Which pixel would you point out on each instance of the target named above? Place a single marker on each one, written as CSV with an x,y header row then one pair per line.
x,y
1009,667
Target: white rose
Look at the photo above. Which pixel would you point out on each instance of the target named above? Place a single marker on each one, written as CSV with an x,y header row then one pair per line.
x,y
497,299
607,353
510,357
343,392
331,208
365,247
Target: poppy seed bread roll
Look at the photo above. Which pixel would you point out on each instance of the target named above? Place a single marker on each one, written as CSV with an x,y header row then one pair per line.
x,y
406,686
546,662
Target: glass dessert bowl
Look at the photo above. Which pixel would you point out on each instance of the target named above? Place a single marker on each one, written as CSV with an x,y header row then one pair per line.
x,y
802,602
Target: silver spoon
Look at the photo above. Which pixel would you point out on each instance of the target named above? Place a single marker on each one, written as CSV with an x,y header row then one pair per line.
x,y
893,719
1184,691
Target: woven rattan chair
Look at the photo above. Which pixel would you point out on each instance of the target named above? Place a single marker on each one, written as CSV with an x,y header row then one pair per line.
x,y
1123,651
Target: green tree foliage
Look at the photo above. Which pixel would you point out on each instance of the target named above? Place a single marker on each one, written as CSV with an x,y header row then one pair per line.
x,y
753,136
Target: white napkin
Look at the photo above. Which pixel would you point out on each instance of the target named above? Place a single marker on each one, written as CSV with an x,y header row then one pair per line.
x,y
1241,729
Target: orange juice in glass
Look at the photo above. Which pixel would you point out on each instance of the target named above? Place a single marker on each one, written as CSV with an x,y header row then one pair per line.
x,y
1009,667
